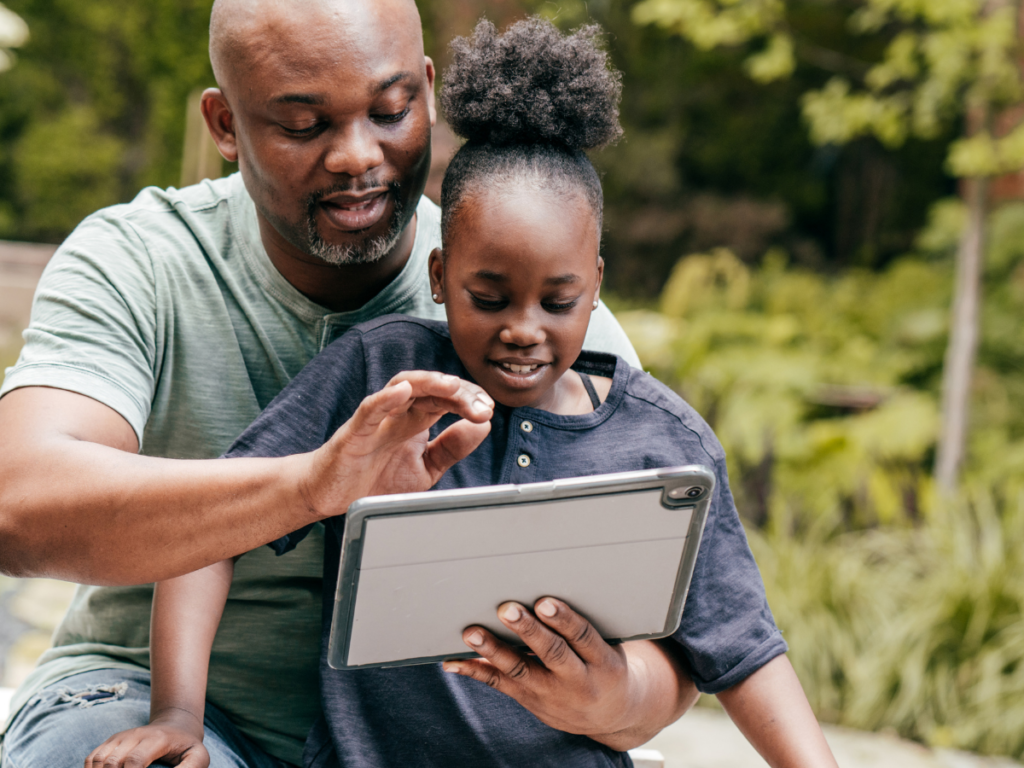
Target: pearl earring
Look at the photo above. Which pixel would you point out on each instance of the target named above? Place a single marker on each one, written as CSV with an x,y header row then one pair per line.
x,y
595,305
433,296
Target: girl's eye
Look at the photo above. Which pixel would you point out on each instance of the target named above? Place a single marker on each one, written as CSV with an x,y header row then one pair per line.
x,y
490,304
560,307
392,118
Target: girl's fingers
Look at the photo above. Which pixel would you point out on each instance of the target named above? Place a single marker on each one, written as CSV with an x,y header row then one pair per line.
x,y
481,671
508,670
580,634
552,649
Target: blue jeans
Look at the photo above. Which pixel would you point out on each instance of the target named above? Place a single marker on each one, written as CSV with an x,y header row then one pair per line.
x,y
63,723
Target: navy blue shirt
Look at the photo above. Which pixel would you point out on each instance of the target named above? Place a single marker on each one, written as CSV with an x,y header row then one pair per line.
x,y
422,716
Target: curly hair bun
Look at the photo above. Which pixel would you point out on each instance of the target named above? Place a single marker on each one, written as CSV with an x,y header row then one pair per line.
x,y
532,85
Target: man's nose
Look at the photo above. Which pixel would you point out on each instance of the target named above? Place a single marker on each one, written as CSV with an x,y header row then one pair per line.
x,y
354,151
523,330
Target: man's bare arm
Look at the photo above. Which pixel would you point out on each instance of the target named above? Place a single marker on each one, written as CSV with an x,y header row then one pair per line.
x,y
78,503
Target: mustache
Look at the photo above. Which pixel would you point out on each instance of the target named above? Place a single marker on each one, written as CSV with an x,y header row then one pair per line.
x,y
362,184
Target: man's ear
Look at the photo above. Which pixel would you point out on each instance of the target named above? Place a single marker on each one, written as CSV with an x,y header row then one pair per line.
x,y
431,99
221,123
435,269
600,277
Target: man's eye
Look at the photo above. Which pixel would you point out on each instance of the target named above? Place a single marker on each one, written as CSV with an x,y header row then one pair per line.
x,y
395,117
491,304
308,130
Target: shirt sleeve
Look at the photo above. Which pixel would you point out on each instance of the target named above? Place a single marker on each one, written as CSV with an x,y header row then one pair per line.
x,y
604,334
94,322
727,631
307,412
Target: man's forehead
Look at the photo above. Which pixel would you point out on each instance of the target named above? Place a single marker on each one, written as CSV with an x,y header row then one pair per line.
x,y
376,40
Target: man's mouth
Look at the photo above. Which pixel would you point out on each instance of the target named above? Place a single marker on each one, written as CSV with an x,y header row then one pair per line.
x,y
351,213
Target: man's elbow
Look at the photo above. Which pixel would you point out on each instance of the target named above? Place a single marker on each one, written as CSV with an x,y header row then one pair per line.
x,y
16,541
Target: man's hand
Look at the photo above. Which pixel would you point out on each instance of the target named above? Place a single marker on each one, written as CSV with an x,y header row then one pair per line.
x,y
169,742
618,695
385,447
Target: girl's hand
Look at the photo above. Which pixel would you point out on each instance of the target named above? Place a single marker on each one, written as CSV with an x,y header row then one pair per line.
x,y
171,743
577,682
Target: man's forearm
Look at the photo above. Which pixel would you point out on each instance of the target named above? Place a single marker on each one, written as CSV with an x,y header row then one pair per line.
x,y
78,503
664,694
97,515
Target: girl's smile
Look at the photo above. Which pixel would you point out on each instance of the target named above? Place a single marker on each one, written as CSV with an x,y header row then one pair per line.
x,y
519,277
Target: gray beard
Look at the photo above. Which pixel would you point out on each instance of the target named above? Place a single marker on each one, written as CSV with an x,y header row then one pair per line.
x,y
367,252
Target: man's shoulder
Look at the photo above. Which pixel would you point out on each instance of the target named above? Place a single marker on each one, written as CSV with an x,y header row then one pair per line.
x,y
172,227
156,203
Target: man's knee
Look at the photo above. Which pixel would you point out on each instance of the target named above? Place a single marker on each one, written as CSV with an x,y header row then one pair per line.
x,y
63,723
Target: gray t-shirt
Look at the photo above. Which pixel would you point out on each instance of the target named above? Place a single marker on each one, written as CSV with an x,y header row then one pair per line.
x,y
168,310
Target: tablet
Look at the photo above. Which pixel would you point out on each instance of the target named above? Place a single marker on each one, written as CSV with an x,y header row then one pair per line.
x,y
417,569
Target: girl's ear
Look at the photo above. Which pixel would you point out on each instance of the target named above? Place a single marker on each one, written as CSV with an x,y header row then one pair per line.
x,y
436,271
600,277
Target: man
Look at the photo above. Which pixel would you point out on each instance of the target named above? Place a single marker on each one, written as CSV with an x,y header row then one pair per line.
x,y
163,327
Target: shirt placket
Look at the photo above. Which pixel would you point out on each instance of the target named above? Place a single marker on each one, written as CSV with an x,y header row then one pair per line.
x,y
331,327
524,446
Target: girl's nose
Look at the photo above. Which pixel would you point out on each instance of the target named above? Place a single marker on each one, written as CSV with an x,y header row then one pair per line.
x,y
522,332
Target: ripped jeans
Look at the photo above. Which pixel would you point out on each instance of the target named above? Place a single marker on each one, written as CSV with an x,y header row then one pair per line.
x,y
63,723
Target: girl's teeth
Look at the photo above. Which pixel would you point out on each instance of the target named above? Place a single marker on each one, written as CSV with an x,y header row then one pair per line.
x,y
519,368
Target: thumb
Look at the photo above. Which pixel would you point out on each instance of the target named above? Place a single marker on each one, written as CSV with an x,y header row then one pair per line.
x,y
453,445
196,757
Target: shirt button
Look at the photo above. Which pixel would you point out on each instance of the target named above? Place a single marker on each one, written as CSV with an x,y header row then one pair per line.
x,y
523,460
526,426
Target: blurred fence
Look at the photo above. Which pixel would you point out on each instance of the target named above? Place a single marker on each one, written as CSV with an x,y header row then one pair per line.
x,y
21,264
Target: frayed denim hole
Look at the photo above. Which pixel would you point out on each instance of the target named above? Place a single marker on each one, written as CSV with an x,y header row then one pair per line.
x,y
96,694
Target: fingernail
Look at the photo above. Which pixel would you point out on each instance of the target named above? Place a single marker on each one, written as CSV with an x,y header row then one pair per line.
x,y
511,613
480,405
447,378
453,668
547,609
477,638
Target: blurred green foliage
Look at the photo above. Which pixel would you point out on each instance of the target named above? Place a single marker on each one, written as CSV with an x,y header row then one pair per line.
x,y
824,390
94,110
903,609
917,630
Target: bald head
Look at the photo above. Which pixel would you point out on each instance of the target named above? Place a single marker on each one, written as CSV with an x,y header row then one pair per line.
x,y
327,106
242,32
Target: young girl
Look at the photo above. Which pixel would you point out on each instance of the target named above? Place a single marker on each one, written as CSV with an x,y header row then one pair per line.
x,y
519,274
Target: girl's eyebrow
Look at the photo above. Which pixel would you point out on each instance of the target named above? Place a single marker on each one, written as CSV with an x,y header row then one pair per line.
x,y
562,279
486,274
498,277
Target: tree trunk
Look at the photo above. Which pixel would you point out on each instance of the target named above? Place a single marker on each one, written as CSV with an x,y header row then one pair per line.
x,y
963,338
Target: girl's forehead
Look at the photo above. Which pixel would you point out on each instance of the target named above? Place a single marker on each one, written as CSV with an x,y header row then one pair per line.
x,y
524,232
526,216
